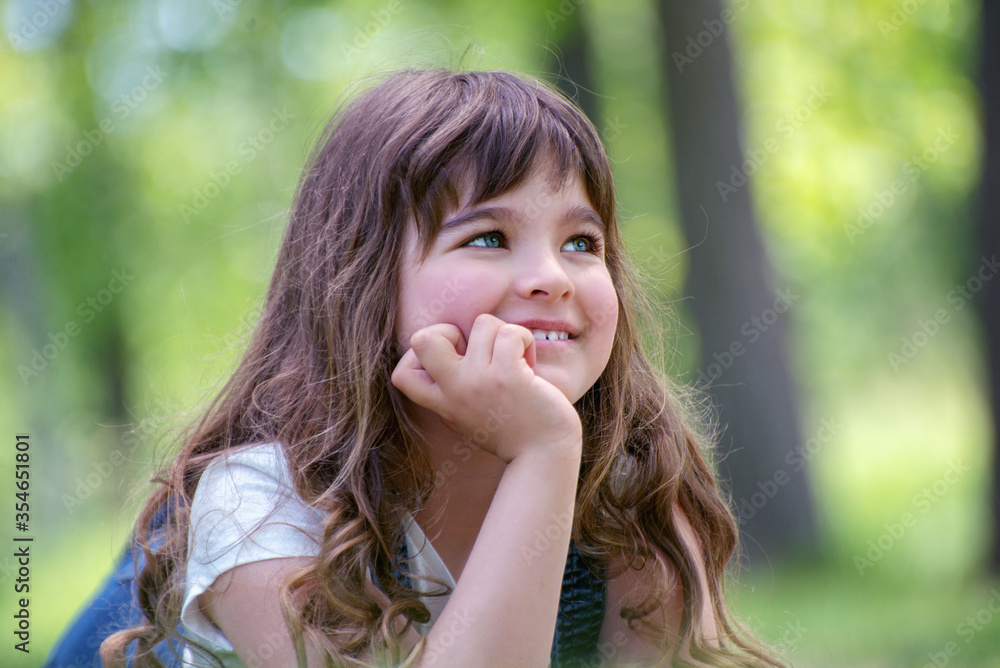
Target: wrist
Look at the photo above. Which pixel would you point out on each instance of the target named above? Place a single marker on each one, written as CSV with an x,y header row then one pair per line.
x,y
565,451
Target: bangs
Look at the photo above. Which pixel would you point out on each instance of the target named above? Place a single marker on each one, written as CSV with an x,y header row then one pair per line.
x,y
506,147
475,136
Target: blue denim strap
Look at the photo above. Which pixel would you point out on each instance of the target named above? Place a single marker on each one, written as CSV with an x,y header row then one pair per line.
x,y
581,613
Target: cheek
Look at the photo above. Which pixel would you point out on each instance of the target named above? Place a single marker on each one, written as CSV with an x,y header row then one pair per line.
x,y
448,296
602,307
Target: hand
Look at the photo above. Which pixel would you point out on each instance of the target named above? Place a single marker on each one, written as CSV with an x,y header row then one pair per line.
x,y
491,393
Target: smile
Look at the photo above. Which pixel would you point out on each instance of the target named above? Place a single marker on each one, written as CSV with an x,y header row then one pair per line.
x,y
549,335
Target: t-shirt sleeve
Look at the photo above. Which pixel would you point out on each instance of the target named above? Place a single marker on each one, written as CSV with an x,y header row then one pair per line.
x,y
245,509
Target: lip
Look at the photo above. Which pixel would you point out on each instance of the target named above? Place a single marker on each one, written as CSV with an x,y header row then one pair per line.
x,y
550,326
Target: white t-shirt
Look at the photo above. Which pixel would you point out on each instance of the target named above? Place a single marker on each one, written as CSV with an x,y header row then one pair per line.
x,y
246,509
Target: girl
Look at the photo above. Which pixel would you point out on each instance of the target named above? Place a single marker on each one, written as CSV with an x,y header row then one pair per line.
x,y
444,445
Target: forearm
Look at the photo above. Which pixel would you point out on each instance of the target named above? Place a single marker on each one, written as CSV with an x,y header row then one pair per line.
x,y
504,607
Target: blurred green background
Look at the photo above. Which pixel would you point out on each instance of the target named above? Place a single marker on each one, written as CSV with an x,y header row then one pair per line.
x,y
149,151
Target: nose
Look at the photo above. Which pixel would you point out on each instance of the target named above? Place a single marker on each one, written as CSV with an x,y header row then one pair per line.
x,y
543,275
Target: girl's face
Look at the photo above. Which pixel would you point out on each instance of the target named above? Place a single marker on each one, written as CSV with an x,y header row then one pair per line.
x,y
532,257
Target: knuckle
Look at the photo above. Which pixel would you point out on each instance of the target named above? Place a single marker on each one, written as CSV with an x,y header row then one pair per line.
x,y
420,338
484,319
513,331
503,382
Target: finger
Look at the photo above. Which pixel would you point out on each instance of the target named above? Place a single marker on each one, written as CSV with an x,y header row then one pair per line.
x,y
449,331
514,343
436,349
481,338
410,378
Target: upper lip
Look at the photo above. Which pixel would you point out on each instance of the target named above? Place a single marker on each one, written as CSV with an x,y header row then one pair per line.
x,y
550,326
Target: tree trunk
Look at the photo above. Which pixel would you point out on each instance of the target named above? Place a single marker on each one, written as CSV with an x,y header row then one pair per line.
x,y
740,313
575,77
988,301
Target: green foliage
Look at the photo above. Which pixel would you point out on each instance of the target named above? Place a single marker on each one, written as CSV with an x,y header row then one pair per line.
x,y
165,139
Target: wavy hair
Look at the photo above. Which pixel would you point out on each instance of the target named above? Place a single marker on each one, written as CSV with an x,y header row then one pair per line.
x,y
316,379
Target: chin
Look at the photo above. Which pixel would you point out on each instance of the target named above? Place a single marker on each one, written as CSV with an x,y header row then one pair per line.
x,y
571,390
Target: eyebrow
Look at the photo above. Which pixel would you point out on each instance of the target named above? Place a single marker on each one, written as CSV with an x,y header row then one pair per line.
x,y
578,213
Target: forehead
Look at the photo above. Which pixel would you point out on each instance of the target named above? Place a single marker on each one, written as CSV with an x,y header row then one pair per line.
x,y
544,178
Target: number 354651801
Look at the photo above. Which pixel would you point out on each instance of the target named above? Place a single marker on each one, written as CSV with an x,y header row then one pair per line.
x,y
22,481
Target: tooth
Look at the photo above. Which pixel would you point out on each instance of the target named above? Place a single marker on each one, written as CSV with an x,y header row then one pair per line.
x,y
538,334
563,336
553,335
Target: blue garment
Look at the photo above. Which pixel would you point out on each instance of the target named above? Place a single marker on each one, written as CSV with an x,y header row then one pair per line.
x,y
111,610
114,608
581,613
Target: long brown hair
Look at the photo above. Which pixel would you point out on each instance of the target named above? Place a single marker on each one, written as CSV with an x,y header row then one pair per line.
x,y
316,378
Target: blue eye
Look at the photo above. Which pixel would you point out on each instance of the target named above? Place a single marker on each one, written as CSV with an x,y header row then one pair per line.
x,y
487,240
583,244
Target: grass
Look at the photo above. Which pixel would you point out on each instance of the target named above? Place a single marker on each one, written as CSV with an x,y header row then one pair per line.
x,y
825,616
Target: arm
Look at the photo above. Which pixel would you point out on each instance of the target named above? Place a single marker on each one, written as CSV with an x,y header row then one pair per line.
x,y
243,603
630,588
506,602
504,607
